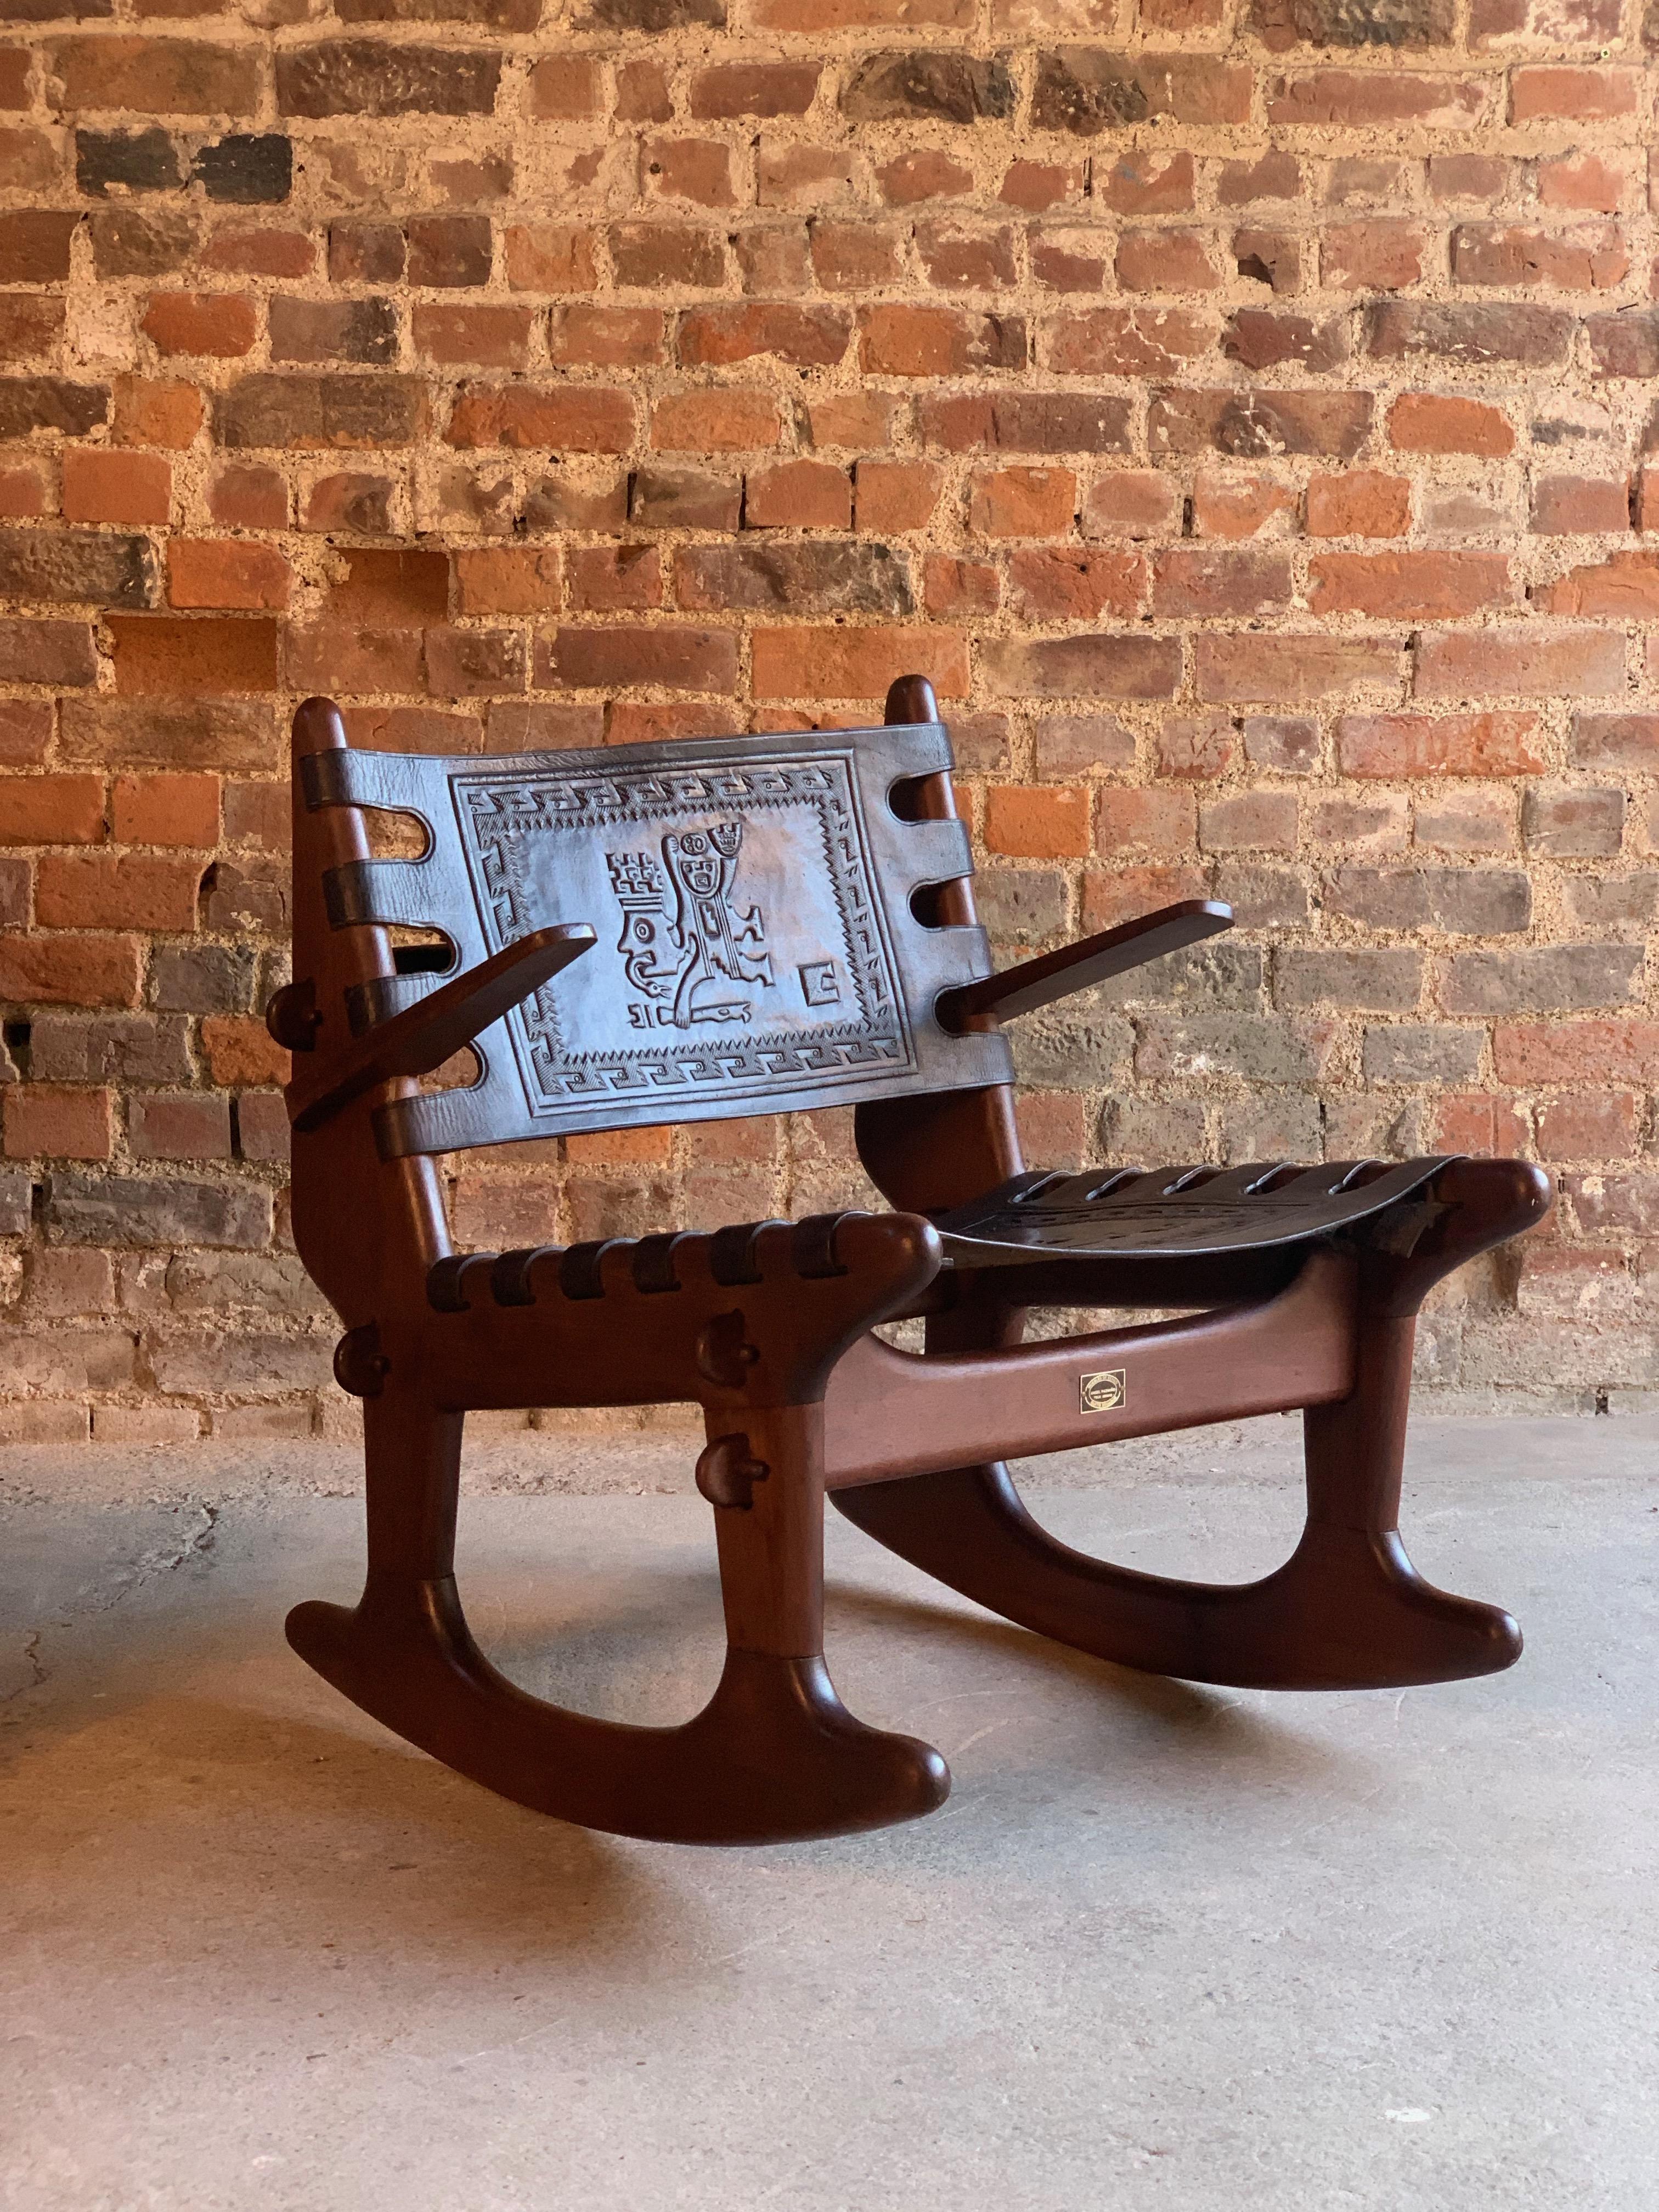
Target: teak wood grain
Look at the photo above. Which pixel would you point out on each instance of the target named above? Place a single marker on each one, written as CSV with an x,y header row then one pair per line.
x,y
753,925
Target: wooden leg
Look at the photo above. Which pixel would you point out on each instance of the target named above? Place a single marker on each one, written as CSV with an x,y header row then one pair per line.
x,y
1347,1611
774,1755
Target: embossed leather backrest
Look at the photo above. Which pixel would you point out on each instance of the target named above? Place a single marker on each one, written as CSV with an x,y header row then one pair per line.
x,y
758,950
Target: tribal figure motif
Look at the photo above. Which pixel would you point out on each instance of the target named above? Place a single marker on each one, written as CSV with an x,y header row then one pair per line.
x,y
689,966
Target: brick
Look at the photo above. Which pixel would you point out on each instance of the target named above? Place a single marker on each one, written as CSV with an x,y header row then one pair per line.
x,y
1608,1051
1058,583
581,336
366,252
1599,1128
1082,744
964,257
1420,1052
1036,822
1410,587
1363,503
180,1126
928,174
1547,94
718,419
51,809
803,337
448,249
351,500
1411,745
1563,506
1556,977
728,90
801,495
472,337
1194,582
941,85
1478,332
1101,666
130,161
166,809
220,324
43,1121
225,572
131,1212
907,341
678,656
1616,741
165,656
1026,423
1164,261
77,567
1519,662
895,496
1291,667
550,256
1259,339
99,485
30,404
1235,505
363,77
952,588
1085,90
31,324
156,411
1252,424
246,168
1022,503
1511,256
241,1052
573,419
1371,257
1130,504
801,662
103,890
1440,423
362,331
1198,747
506,579
1625,584
1259,1048
1459,901
319,413
26,728
568,87
153,76
1387,981
1369,98
607,579
74,971
1141,341
392,584
171,733
1573,824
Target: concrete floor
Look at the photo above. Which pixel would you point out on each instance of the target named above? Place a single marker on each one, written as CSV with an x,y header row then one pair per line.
x,y
1165,1947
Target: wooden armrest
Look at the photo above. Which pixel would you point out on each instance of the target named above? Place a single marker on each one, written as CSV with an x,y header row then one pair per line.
x,y
425,1035
1033,983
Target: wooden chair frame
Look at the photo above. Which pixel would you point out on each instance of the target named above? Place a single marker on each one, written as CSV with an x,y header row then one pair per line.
x,y
767,1327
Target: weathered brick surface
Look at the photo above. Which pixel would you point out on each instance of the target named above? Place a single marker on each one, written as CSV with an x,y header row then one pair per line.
x,y
1243,408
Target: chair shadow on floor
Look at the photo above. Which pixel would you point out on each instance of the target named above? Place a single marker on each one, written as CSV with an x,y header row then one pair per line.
x,y
262,1805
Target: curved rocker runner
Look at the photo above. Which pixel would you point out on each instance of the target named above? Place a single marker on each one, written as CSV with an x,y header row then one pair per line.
x,y
658,933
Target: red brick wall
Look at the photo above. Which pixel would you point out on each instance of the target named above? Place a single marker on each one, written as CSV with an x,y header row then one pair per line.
x,y
1246,417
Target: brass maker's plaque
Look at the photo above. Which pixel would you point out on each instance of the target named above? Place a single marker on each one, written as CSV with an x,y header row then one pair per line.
x,y
1100,1392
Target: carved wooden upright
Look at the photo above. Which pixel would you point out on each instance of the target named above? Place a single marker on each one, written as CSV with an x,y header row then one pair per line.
x,y
662,934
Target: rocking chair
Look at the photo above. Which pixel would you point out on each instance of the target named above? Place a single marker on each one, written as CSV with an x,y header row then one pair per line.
x,y
671,932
